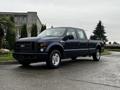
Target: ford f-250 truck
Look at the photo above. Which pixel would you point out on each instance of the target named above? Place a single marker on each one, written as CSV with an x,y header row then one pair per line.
x,y
54,44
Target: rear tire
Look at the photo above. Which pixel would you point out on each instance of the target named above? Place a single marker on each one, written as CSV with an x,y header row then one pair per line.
x,y
97,55
54,59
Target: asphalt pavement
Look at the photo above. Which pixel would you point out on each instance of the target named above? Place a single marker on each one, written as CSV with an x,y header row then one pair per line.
x,y
81,74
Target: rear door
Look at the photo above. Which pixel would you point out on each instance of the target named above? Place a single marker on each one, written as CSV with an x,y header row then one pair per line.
x,y
83,42
71,46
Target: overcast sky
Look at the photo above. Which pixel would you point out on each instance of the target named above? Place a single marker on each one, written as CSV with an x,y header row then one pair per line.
x,y
75,13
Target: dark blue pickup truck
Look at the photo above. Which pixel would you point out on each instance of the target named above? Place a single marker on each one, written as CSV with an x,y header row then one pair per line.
x,y
55,44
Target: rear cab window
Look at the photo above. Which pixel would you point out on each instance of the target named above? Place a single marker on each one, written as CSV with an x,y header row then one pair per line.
x,y
81,34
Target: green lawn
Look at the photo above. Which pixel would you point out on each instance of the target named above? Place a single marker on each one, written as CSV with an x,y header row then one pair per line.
x,y
117,50
6,57
106,52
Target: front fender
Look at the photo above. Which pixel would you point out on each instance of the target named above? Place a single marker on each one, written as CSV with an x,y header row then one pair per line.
x,y
52,45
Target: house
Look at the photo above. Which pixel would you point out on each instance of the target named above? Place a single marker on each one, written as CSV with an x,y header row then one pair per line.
x,y
20,19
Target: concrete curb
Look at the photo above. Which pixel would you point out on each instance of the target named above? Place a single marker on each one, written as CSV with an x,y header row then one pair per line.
x,y
8,62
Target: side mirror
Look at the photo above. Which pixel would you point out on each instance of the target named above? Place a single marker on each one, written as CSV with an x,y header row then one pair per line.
x,y
68,37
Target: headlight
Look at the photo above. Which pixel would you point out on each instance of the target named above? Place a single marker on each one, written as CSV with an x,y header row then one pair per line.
x,y
42,45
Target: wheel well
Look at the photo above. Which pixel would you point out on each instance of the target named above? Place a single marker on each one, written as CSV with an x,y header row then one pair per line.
x,y
99,47
56,47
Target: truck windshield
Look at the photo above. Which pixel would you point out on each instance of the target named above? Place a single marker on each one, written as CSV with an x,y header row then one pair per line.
x,y
53,32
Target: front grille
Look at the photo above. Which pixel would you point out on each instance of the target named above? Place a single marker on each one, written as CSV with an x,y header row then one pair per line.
x,y
24,46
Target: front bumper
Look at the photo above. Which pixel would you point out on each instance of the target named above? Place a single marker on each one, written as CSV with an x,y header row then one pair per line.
x,y
31,57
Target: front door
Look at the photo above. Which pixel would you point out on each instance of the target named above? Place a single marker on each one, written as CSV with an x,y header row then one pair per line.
x,y
71,46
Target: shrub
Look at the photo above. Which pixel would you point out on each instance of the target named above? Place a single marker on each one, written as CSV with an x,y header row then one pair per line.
x,y
43,27
24,31
34,30
112,47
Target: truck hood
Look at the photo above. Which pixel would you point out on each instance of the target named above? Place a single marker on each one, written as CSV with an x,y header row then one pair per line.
x,y
39,39
28,39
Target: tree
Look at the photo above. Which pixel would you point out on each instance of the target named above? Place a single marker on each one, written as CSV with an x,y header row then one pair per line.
x,y
110,43
10,34
1,36
115,43
10,37
34,30
24,31
12,19
99,33
7,30
43,27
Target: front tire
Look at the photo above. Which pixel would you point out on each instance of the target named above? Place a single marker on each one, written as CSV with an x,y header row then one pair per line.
x,y
54,59
97,55
73,58
24,64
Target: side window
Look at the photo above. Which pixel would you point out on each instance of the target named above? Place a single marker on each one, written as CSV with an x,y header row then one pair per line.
x,y
81,34
71,32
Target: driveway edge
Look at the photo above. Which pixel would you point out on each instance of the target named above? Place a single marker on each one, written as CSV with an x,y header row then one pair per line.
x,y
8,62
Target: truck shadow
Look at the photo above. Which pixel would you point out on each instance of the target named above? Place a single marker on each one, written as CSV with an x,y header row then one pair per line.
x,y
65,64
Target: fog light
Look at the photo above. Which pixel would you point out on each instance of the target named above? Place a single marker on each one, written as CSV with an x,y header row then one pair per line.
x,y
41,49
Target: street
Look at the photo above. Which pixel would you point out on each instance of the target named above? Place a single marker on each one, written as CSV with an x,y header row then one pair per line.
x,y
81,74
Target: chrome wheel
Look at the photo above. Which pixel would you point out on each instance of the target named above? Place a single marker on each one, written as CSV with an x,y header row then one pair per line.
x,y
55,59
98,55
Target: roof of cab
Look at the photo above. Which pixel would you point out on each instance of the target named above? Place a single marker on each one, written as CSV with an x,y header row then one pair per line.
x,y
69,27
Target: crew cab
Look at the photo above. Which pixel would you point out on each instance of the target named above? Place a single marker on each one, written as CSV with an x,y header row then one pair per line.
x,y
54,44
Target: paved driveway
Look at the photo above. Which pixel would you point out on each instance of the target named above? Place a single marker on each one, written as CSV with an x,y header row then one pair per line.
x,y
82,74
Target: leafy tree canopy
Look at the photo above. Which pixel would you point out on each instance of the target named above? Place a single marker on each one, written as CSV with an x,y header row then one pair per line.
x,y
7,29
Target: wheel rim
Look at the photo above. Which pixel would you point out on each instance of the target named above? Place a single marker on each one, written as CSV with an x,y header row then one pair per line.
x,y
98,55
55,59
